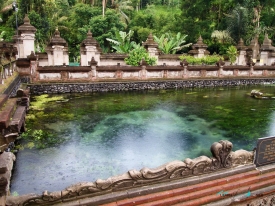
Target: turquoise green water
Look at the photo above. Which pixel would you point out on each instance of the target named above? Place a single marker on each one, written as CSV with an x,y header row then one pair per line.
x,y
84,137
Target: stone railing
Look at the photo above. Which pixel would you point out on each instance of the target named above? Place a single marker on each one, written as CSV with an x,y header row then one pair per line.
x,y
223,158
93,72
7,60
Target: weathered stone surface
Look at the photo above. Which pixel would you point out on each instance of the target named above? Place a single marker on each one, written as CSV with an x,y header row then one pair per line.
x,y
6,113
18,119
60,88
6,165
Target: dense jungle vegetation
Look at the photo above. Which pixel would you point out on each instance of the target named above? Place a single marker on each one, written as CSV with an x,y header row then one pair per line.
x,y
221,23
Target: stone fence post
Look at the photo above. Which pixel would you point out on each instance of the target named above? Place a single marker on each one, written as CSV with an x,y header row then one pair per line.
x,y
143,72
93,64
184,63
251,64
220,64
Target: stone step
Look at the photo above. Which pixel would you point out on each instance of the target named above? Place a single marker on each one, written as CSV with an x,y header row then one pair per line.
x,y
204,192
6,113
206,195
239,194
18,119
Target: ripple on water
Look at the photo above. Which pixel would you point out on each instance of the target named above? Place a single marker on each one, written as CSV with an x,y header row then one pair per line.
x,y
102,144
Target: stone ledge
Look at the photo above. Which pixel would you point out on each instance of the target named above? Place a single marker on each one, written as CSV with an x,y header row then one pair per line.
x,y
161,187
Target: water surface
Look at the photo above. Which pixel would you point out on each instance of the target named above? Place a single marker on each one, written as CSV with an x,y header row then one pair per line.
x,y
95,136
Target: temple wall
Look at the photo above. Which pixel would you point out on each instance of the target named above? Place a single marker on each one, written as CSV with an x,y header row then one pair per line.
x,y
138,85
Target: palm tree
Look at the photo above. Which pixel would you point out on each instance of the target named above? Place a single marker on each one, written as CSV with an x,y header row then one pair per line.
x,y
121,6
238,22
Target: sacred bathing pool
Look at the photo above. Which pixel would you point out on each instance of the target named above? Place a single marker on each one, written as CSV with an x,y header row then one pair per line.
x,y
206,131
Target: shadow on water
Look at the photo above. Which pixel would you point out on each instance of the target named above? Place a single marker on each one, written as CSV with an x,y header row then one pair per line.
x,y
75,138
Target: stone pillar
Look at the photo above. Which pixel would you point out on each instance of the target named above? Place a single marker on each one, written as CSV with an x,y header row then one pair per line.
x,y
65,56
33,66
266,50
151,46
199,49
50,57
26,38
57,51
241,59
93,65
264,58
251,64
58,58
184,63
89,48
254,47
220,64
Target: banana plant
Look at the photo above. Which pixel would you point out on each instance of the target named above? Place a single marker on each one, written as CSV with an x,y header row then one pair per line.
x,y
122,42
232,53
170,44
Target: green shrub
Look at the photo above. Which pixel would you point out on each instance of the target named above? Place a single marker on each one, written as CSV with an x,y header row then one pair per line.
x,y
137,54
232,54
208,60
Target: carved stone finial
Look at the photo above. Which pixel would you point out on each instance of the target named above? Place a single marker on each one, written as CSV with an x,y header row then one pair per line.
x,y
150,43
250,62
267,44
56,32
26,19
90,41
200,44
220,63
184,63
93,62
57,39
241,45
26,27
32,56
143,62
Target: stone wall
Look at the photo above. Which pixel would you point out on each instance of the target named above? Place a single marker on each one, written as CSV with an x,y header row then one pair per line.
x,y
93,73
59,88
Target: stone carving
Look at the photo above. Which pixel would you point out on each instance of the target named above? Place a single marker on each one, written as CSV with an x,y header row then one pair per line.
x,y
220,151
256,93
223,157
240,157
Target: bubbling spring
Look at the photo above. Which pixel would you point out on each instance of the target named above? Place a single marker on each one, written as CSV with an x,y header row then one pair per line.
x,y
73,138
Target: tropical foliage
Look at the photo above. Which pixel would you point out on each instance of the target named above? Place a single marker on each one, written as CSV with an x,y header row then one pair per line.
x,y
123,43
170,44
138,54
207,60
232,54
221,23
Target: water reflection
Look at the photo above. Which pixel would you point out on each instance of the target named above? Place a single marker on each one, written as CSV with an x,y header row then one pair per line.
x,y
108,134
